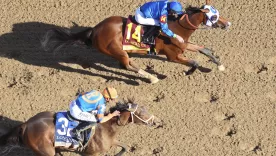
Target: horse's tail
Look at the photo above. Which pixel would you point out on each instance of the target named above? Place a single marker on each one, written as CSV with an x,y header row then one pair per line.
x,y
56,38
13,137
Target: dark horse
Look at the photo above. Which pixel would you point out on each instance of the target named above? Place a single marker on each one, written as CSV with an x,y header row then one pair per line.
x,y
107,37
38,132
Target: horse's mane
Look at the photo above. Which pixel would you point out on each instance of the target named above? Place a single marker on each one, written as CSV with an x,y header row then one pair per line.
x,y
122,105
192,10
189,10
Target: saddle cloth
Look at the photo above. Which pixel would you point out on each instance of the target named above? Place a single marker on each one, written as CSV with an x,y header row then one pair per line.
x,y
133,36
63,134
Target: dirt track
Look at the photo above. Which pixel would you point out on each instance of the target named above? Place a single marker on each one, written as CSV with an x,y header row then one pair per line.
x,y
219,113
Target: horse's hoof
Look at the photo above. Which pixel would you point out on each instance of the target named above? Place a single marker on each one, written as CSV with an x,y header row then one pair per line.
x,y
221,68
154,80
184,73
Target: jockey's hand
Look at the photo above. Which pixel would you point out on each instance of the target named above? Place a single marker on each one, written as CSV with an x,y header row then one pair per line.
x,y
116,113
180,39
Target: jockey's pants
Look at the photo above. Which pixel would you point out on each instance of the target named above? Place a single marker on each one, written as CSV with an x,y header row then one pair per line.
x,y
77,113
140,18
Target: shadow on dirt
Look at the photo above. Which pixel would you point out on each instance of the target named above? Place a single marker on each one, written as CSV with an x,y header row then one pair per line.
x,y
23,44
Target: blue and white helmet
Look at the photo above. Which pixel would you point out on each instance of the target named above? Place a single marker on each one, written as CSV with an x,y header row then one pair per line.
x,y
176,7
212,15
92,97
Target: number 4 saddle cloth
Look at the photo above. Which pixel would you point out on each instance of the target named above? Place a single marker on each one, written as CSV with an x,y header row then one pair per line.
x,y
133,35
63,135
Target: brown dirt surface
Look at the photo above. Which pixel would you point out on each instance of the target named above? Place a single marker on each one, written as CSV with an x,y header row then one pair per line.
x,y
219,113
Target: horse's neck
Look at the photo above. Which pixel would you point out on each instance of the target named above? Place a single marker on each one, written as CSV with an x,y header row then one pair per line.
x,y
188,25
115,124
196,19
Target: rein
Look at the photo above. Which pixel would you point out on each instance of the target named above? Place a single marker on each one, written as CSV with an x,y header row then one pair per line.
x,y
145,121
132,118
188,21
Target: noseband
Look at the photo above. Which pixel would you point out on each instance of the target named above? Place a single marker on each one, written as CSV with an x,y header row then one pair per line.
x,y
132,118
145,121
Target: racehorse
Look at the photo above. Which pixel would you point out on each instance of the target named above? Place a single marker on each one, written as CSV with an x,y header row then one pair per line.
x,y
107,37
38,132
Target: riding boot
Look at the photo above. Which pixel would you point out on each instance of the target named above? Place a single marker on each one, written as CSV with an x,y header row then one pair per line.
x,y
152,50
148,37
82,127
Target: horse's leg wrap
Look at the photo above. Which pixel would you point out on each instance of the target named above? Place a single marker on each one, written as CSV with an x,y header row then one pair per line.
x,y
207,52
152,78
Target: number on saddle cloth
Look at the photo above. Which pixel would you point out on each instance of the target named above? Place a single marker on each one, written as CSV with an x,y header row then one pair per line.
x,y
63,134
134,33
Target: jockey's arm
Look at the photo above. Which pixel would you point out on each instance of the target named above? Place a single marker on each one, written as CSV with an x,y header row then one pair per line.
x,y
166,30
100,116
163,23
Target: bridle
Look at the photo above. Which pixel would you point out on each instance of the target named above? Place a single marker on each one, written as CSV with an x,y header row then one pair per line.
x,y
149,121
189,22
186,16
145,121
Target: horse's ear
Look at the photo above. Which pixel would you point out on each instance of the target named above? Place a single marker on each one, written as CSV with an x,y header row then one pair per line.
x,y
205,10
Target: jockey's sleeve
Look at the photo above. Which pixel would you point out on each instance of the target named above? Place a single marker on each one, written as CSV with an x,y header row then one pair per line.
x,y
101,110
163,22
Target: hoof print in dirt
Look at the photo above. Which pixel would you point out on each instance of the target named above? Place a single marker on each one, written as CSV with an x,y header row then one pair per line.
x,y
214,98
13,83
257,148
231,132
229,117
150,67
157,150
159,97
133,148
262,69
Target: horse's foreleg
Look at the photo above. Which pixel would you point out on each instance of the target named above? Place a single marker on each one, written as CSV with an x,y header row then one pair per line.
x,y
193,64
152,78
207,52
130,65
124,148
58,153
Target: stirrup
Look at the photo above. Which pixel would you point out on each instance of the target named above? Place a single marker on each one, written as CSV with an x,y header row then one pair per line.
x,y
81,147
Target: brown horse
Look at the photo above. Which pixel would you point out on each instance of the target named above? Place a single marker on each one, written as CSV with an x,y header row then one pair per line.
x,y
38,132
107,37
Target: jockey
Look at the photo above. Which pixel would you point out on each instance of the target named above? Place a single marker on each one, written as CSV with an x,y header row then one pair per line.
x,y
90,107
156,14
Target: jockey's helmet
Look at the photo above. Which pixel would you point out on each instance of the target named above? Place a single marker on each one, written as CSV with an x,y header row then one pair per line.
x,y
176,7
110,92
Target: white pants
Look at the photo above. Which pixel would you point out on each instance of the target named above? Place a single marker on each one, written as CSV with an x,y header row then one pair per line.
x,y
140,18
77,113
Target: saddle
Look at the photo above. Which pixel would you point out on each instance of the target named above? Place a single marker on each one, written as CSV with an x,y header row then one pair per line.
x,y
65,123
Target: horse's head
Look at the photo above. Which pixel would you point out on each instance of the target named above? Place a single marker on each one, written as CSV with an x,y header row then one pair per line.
x,y
210,17
140,115
134,113
213,18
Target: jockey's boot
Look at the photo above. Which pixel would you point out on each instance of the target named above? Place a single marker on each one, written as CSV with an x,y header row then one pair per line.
x,y
148,36
152,50
80,128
